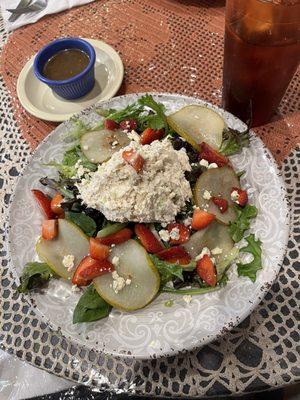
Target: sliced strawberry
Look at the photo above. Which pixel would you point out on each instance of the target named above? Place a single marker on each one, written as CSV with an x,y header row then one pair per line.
x,y
89,269
49,229
182,230
116,238
221,203
128,125
134,159
201,219
98,251
181,261
242,196
176,254
149,135
111,125
212,156
44,203
206,270
76,280
56,205
148,239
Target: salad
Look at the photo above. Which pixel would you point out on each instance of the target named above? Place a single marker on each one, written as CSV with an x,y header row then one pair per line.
x,y
144,203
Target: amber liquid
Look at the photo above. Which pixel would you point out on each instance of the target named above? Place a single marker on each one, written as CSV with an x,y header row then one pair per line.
x,y
66,64
258,66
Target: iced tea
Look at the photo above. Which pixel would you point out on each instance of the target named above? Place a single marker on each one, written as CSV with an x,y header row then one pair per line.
x,y
262,52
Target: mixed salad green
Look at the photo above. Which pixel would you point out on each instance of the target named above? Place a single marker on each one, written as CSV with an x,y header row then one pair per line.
x,y
126,265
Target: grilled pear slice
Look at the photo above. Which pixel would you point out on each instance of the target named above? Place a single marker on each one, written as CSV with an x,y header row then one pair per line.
x,y
197,124
99,146
134,264
70,241
218,182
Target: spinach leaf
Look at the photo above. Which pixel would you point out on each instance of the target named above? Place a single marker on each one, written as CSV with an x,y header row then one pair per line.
x,y
242,222
86,223
35,274
90,307
110,229
234,141
157,119
250,269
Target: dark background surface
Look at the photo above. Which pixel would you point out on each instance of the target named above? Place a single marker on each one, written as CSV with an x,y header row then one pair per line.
x,y
85,393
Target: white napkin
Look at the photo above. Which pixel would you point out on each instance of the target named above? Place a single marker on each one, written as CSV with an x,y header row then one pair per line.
x,y
53,6
19,380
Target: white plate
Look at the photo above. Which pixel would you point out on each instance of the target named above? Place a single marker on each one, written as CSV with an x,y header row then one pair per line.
x,y
39,100
158,330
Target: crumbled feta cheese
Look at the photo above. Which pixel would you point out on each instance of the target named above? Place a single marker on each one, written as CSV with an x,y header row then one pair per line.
x,y
114,144
187,298
204,251
119,282
216,251
80,170
175,234
170,284
68,262
187,221
85,147
157,194
204,163
164,234
234,196
206,195
113,245
75,289
134,136
164,224
115,261
212,165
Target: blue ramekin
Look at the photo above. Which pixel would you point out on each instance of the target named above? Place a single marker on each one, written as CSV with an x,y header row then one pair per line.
x,y
78,85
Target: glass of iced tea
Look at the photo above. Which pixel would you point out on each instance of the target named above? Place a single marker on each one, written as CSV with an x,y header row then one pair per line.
x,y
261,55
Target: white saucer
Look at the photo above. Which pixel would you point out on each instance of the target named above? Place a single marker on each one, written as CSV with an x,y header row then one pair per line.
x,y
39,100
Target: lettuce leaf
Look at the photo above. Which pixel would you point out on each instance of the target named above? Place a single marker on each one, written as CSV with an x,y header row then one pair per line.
x,y
250,269
234,141
242,222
